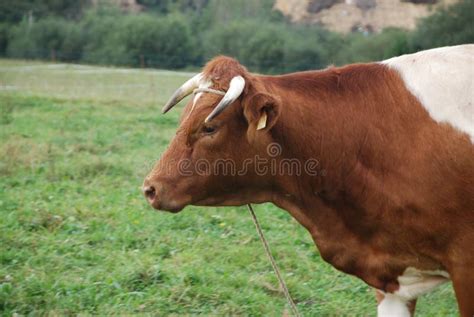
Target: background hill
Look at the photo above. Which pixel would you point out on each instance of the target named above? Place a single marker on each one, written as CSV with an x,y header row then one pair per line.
x,y
265,35
360,15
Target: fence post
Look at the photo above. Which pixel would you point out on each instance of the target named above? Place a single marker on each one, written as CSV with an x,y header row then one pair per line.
x,y
142,61
53,55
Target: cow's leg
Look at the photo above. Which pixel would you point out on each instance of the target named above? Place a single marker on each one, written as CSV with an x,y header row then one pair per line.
x,y
463,283
393,305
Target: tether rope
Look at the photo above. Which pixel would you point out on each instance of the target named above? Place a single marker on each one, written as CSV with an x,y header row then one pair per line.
x,y
272,261
210,90
259,230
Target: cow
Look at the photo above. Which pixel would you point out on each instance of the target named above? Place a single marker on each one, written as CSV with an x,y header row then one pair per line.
x,y
390,195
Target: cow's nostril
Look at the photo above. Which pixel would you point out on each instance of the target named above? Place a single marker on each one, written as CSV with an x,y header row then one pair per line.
x,y
149,192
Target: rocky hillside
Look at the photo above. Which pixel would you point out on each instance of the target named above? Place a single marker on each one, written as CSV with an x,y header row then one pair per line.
x,y
359,15
342,16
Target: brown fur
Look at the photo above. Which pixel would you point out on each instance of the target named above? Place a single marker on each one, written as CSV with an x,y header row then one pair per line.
x,y
395,188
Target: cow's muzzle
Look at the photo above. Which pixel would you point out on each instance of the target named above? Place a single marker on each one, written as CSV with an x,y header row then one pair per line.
x,y
154,193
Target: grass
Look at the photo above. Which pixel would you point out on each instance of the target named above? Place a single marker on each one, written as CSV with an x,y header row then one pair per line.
x,y
76,236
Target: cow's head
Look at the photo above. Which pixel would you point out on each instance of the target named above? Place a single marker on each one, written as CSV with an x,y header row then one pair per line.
x,y
223,128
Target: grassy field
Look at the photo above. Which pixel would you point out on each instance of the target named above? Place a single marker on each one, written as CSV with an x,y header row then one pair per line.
x,y
76,235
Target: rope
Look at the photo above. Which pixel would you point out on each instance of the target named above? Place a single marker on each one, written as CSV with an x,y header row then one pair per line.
x,y
259,230
272,261
214,91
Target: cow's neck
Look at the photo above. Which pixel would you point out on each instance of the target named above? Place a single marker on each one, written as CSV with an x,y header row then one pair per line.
x,y
314,126
331,123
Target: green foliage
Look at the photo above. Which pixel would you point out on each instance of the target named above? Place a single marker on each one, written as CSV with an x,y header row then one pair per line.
x,y
448,26
360,48
310,48
102,29
221,12
4,30
15,11
164,42
269,47
44,39
72,44
265,50
186,33
167,6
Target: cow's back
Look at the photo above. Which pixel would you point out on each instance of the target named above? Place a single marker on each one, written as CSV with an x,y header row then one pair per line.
x,y
443,81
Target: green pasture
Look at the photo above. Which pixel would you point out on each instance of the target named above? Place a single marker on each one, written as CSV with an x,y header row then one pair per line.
x,y
77,237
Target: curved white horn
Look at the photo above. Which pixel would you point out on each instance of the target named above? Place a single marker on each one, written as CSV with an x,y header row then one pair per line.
x,y
185,90
236,87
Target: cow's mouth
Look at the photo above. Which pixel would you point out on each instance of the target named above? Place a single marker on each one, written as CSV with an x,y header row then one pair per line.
x,y
168,207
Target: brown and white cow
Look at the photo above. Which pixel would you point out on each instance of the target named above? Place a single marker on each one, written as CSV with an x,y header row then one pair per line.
x,y
391,198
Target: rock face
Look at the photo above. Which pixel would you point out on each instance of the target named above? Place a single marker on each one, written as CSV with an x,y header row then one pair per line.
x,y
359,15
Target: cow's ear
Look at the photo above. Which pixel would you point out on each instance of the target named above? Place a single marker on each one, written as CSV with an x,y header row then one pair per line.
x,y
261,111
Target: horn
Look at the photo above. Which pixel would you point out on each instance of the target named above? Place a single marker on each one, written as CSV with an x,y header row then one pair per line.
x,y
236,87
185,90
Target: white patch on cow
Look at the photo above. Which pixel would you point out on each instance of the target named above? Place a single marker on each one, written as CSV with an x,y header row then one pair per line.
x,y
443,81
413,283
392,306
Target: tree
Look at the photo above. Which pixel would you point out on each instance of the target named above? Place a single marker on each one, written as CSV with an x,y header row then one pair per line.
x,y
15,11
448,26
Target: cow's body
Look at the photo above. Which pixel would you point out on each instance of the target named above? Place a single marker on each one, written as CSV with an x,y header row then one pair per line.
x,y
393,201
398,192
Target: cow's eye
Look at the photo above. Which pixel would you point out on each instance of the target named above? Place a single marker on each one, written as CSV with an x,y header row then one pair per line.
x,y
208,129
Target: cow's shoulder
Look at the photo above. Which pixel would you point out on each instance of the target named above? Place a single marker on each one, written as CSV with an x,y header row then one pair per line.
x,y
443,81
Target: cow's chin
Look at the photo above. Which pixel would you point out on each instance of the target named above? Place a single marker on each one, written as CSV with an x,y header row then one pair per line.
x,y
228,200
168,206
175,206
